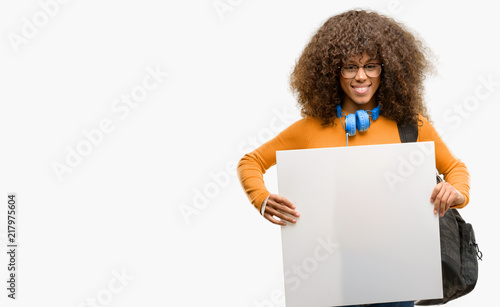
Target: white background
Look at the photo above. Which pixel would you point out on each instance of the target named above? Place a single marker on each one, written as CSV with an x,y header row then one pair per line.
x,y
118,211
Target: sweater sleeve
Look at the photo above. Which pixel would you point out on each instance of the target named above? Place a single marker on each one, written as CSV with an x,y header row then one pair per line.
x,y
454,170
253,165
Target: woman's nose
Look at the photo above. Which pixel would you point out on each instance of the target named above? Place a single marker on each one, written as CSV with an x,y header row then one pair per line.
x,y
361,75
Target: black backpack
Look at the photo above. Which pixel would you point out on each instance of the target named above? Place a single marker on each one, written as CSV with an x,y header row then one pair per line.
x,y
459,250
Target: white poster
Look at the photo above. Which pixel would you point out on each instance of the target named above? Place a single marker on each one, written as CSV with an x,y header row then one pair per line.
x,y
367,232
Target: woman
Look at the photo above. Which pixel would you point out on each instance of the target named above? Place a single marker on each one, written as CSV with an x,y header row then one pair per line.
x,y
357,60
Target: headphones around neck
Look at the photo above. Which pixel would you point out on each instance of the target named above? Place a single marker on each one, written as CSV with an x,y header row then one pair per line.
x,y
360,120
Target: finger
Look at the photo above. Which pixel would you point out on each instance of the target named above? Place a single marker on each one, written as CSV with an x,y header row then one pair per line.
x,y
281,215
270,218
282,200
435,191
445,202
270,213
282,208
438,200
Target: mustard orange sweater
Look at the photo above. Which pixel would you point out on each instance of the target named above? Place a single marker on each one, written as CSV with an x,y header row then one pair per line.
x,y
308,133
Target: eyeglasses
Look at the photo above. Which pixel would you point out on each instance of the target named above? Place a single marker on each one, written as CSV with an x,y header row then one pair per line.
x,y
372,70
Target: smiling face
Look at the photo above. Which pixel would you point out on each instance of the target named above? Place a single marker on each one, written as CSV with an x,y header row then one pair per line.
x,y
360,90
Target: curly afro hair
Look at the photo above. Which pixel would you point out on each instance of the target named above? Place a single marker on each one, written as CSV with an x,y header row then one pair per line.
x,y
315,77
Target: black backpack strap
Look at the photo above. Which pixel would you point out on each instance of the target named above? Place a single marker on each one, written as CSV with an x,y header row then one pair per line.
x,y
408,133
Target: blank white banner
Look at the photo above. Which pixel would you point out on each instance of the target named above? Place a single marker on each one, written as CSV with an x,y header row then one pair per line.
x,y
367,232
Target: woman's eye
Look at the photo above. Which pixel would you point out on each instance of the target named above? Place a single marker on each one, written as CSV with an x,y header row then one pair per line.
x,y
371,67
351,67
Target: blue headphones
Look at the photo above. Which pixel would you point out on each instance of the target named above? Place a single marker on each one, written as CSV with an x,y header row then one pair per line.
x,y
360,120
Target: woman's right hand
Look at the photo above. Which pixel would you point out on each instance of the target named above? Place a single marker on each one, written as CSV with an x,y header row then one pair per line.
x,y
277,206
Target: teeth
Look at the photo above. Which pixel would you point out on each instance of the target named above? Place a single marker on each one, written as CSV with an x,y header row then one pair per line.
x,y
361,90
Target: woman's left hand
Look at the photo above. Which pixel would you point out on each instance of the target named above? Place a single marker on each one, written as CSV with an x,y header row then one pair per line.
x,y
445,196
